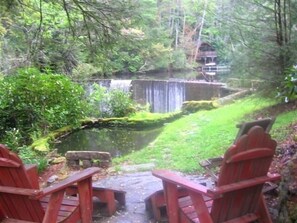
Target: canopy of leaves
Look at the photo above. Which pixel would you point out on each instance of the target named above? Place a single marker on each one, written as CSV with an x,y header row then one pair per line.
x,y
257,37
263,37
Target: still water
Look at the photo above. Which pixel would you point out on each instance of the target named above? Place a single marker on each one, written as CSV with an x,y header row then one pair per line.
x,y
116,141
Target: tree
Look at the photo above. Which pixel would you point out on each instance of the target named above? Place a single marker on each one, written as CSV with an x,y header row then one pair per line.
x,y
58,34
262,36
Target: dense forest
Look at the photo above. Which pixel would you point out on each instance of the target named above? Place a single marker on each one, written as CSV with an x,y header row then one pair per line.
x,y
102,38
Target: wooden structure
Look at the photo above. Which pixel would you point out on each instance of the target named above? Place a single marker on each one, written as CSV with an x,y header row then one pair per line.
x,y
22,201
237,197
212,164
107,196
155,204
206,53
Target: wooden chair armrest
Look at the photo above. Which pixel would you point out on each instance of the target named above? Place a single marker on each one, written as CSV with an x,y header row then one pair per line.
x,y
81,176
171,181
245,184
173,178
57,192
20,191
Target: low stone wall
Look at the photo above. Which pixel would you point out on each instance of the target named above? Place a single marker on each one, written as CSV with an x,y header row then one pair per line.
x,y
87,159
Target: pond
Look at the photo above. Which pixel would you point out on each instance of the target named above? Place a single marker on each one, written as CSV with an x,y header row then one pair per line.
x,y
116,141
162,96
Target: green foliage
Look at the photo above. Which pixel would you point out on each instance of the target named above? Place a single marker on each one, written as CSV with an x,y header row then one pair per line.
x,y
110,103
194,106
179,59
259,38
160,56
120,103
13,139
288,88
96,101
85,71
39,102
30,156
280,129
49,34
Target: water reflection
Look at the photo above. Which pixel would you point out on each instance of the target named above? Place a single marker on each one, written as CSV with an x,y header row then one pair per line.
x,y
116,141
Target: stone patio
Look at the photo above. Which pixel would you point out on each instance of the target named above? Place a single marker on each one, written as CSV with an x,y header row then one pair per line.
x,y
138,186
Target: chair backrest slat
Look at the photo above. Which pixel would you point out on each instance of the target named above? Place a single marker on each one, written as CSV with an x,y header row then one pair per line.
x,y
249,158
4,162
13,174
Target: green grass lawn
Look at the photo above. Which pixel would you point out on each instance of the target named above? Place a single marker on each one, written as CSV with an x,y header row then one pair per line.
x,y
204,134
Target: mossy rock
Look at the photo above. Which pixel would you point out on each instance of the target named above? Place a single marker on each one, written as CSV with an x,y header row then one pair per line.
x,y
194,106
43,144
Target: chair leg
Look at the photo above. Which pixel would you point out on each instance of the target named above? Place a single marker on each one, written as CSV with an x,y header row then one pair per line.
x,y
85,199
263,211
120,197
156,201
106,196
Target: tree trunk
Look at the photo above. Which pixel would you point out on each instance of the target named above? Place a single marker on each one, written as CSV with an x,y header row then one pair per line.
x,y
200,30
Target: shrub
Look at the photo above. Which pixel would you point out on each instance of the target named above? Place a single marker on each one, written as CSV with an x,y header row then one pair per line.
x,y
96,101
110,103
288,89
120,103
38,102
30,156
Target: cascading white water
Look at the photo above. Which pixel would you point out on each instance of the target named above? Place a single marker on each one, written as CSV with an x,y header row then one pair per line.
x,y
160,96
123,85
163,95
176,95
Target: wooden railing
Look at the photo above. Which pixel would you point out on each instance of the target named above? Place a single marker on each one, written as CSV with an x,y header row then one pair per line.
x,y
215,68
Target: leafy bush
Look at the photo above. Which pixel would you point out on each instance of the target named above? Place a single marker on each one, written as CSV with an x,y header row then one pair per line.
x,y
13,139
96,101
110,103
120,103
38,102
30,156
288,89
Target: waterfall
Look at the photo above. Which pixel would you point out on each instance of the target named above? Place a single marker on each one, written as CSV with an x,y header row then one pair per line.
x,y
163,95
123,85
176,95
158,96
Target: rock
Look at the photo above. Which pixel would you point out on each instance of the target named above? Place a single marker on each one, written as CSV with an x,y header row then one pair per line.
x,y
88,158
52,179
86,163
58,160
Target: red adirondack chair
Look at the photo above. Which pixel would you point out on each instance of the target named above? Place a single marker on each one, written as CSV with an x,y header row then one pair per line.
x,y
237,197
212,164
22,201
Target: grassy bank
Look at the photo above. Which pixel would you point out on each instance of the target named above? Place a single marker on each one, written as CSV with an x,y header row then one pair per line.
x,y
204,134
